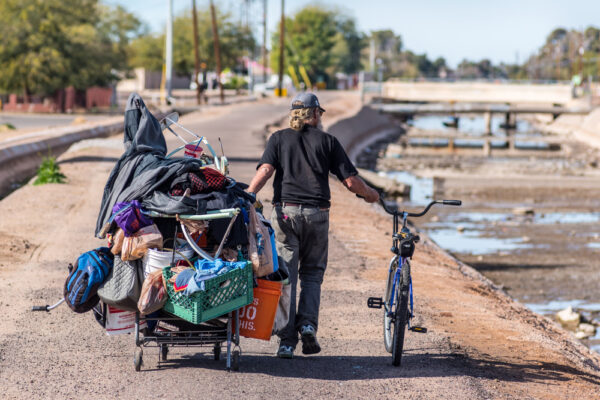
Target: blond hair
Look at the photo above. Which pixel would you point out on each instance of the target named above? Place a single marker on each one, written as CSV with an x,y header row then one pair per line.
x,y
299,117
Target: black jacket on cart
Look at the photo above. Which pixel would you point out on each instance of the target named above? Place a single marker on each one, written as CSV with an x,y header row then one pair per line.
x,y
143,168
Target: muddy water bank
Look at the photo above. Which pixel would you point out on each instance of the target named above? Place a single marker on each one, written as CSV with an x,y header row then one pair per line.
x,y
529,220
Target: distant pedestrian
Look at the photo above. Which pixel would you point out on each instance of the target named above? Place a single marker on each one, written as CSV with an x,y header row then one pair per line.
x,y
302,157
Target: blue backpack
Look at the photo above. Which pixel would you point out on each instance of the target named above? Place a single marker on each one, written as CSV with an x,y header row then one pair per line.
x,y
90,271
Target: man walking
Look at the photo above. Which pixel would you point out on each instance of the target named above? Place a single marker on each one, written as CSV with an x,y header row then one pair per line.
x,y
302,157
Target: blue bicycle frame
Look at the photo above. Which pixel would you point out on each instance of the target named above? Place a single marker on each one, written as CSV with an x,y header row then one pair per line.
x,y
392,298
397,276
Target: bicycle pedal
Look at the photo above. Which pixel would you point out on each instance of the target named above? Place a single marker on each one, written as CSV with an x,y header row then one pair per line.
x,y
418,329
375,302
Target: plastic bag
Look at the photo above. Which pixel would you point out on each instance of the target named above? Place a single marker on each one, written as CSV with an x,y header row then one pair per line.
x,y
154,293
260,250
129,217
282,316
134,247
117,242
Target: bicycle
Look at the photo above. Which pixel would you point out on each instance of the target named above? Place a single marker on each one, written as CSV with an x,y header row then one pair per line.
x,y
398,299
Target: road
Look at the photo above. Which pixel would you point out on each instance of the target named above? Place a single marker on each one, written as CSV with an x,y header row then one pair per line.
x,y
65,355
42,121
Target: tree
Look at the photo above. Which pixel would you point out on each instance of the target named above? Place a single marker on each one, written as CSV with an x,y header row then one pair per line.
x,y
323,40
349,43
48,45
388,49
148,50
310,37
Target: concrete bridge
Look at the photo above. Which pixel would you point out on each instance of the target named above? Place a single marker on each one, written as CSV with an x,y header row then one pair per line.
x,y
477,92
511,143
455,109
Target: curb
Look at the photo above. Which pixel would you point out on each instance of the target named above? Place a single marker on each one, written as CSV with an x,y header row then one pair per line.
x,y
17,162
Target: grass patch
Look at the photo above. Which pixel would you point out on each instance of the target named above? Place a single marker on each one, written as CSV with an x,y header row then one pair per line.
x,y
49,172
7,127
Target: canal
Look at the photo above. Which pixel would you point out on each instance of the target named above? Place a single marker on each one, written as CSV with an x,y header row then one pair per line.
x,y
530,215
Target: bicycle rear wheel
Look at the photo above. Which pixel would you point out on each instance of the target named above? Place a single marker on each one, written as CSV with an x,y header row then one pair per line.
x,y
401,314
388,325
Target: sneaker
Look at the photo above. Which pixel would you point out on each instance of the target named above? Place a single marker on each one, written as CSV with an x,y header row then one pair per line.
x,y
309,340
285,351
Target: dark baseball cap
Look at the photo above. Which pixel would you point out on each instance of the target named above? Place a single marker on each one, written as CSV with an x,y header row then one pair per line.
x,y
306,100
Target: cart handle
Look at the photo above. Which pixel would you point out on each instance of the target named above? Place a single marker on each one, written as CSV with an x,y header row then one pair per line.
x,y
210,215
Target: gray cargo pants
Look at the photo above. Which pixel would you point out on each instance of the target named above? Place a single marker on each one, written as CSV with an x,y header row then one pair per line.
x,y
302,237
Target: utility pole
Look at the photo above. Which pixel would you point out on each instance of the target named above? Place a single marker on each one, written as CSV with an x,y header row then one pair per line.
x,y
250,50
372,54
169,47
196,55
264,46
217,49
281,45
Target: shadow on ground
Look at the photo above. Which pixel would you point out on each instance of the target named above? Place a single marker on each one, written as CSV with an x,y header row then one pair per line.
x,y
347,368
88,159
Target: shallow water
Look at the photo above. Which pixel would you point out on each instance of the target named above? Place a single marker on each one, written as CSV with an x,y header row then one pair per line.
x,y
574,217
474,125
421,189
470,242
555,306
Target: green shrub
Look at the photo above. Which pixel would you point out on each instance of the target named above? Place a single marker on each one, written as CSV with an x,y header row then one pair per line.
x,y
236,83
49,172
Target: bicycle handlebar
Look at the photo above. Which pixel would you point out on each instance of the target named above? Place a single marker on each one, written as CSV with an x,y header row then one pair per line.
x,y
444,202
451,202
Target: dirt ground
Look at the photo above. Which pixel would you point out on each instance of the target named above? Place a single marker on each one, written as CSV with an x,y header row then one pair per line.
x,y
480,344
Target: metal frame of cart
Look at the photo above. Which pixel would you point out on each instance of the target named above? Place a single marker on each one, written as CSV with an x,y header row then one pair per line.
x,y
209,333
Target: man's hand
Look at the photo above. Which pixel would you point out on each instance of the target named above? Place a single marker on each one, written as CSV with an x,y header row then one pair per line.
x,y
253,195
372,197
358,186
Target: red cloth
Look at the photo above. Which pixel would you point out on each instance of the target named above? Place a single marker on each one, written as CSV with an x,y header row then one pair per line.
x,y
203,181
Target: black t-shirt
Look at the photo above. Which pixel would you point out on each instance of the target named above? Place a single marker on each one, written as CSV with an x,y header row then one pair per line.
x,y
302,161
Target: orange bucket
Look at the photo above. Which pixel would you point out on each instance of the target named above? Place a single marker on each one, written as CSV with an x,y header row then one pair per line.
x,y
257,318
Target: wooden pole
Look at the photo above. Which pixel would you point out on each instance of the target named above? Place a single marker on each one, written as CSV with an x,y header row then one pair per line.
x,y
264,46
281,45
169,52
196,55
217,49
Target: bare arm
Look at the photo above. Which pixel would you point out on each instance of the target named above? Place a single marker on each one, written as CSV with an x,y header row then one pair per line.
x,y
358,186
265,171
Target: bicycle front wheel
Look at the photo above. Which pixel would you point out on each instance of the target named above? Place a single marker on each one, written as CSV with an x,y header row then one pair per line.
x,y
388,325
401,314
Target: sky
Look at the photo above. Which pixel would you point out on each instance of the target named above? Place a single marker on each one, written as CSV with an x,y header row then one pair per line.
x,y
502,30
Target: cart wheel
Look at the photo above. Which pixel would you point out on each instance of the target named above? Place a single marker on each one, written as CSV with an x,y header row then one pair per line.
x,y
164,350
217,352
137,359
235,362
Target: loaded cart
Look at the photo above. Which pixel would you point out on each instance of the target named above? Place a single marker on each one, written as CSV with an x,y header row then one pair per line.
x,y
186,246
209,317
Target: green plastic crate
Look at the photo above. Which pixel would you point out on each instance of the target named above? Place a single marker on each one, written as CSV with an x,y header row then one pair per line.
x,y
222,294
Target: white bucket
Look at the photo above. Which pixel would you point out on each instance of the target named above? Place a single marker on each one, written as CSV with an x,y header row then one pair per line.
x,y
119,321
157,259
